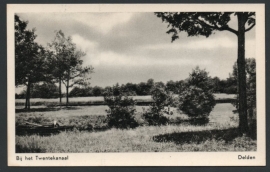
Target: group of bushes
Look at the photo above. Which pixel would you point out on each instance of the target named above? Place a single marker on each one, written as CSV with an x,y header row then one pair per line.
x,y
195,99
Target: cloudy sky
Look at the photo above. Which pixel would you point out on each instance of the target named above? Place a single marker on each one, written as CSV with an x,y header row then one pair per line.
x,y
133,47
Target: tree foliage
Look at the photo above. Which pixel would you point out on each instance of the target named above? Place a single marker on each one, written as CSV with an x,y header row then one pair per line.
x,y
202,23
44,90
68,63
31,59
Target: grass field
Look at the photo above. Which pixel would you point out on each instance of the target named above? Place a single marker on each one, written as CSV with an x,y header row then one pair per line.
x,y
170,138
220,134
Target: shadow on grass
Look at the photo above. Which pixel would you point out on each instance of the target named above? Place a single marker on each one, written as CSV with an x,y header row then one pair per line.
x,y
40,132
29,132
21,149
197,122
198,137
46,109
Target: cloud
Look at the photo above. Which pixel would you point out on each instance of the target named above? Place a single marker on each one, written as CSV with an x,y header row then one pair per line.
x,y
208,43
121,60
250,48
102,22
84,44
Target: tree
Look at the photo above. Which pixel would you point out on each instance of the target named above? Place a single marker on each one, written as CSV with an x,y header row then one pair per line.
x,y
171,86
45,90
205,23
129,89
61,47
68,64
251,85
230,85
97,91
31,59
74,73
215,84
81,91
142,89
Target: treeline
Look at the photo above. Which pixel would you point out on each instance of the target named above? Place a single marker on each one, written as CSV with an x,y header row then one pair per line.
x,y
228,86
216,85
49,90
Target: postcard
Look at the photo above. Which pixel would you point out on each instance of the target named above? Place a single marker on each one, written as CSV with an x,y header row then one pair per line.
x,y
136,85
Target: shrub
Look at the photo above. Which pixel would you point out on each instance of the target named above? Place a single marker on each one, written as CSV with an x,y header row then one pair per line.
x,y
122,109
197,99
162,98
155,118
196,102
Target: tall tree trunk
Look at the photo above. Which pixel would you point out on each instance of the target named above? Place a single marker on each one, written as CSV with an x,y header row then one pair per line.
x,y
26,98
60,92
67,86
27,102
243,123
67,95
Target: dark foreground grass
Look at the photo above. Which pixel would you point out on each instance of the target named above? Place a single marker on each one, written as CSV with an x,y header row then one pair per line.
x,y
170,138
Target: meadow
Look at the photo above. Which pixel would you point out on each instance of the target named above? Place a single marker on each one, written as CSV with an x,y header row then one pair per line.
x,y
92,135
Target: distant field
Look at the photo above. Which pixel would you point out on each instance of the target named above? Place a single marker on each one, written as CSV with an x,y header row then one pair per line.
x,y
224,96
220,114
83,116
97,100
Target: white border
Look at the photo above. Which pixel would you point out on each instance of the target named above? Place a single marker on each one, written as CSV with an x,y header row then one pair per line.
x,y
143,159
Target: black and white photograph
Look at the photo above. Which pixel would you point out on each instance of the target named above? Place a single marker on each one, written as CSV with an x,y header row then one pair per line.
x,y
116,83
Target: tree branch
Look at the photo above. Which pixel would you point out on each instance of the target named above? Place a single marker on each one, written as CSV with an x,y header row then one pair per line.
x,y
218,28
251,14
64,82
248,29
231,30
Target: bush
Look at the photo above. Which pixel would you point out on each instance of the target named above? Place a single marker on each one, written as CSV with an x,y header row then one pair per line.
x,y
196,102
197,99
155,119
122,109
162,98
